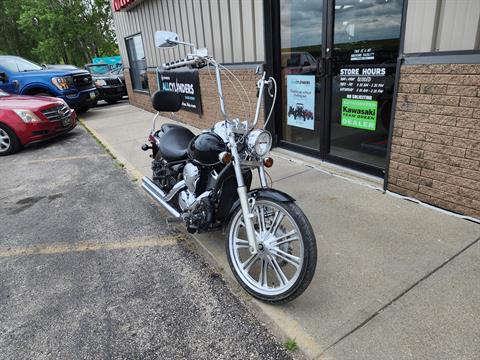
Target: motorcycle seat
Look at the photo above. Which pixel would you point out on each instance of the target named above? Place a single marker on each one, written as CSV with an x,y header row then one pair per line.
x,y
174,142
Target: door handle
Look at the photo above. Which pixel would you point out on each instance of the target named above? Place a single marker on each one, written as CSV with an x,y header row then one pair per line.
x,y
321,67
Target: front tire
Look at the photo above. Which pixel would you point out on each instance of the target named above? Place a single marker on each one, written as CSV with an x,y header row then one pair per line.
x,y
285,263
9,143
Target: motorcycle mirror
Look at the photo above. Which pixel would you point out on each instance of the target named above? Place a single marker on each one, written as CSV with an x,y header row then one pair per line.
x,y
166,39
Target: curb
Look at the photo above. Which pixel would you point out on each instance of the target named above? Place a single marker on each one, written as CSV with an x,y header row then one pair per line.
x,y
282,325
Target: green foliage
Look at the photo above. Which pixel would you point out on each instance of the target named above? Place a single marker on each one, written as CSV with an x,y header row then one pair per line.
x,y
290,345
57,31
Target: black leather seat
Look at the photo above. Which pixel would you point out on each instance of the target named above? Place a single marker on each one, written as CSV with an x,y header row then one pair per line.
x,y
174,142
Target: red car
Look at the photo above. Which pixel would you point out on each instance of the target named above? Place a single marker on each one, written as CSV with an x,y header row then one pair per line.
x,y
28,119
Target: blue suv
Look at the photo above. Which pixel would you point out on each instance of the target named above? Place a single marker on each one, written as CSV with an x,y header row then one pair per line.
x,y
20,76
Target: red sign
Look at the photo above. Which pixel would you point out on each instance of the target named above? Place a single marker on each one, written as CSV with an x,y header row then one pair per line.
x,y
121,4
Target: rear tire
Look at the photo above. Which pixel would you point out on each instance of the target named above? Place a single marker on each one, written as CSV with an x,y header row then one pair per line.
x,y
9,143
278,257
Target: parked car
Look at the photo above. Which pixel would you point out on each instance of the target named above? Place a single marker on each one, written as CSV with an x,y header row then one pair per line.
x,y
23,77
109,86
118,71
28,119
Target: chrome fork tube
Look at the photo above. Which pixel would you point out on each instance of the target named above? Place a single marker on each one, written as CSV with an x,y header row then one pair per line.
x,y
242,195
262,176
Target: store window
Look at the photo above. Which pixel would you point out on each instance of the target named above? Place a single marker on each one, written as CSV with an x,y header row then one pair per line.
x,y
366,40
138,63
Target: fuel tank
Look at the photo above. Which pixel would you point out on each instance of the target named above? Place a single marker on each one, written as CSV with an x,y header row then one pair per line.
x,y
205,148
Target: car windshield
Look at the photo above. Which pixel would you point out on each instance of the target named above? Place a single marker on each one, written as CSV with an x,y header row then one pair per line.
x,y
25,65
99,69
117,70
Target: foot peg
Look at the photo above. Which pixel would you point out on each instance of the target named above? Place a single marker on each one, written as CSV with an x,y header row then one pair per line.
x,y
145,147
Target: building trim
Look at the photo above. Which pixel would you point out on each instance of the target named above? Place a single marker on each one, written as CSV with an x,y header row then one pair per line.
x,y
401,48
443,57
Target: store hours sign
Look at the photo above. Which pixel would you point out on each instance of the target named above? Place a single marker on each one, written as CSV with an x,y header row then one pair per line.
x,y
360,89
184,82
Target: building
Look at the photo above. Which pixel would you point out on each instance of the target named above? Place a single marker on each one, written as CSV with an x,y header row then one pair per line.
x,y
389,87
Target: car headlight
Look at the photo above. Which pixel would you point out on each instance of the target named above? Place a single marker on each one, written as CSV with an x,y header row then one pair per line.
x,y
27,116
100,82
259,142
63,82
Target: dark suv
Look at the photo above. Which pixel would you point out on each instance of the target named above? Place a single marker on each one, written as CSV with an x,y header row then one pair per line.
x,y
110,87
20,76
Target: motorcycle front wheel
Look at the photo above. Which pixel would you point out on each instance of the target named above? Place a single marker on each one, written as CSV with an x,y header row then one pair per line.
x,y
287,253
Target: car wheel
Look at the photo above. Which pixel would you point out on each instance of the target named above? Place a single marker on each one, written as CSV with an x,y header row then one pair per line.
x,y
9,142
83,109
44,93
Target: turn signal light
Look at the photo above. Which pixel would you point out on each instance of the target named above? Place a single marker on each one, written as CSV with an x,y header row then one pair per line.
x,y
268,162
225,157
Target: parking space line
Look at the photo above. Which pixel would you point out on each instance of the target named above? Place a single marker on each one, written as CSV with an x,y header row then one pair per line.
x,y
64,158
62,248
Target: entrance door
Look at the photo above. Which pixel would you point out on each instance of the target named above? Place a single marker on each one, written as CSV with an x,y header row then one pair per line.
x,y
301,51
338,62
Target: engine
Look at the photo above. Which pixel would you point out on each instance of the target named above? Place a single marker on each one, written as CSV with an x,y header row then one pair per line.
x,y
198,208
186,198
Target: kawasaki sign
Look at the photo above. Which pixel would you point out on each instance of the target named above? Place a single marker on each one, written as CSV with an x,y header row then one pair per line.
x,y
360,114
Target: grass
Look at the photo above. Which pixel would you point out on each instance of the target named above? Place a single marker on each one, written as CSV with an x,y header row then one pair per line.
x,y
107,150
290,345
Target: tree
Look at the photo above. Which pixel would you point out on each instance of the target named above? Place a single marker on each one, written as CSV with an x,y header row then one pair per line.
x,y
65,31
12,39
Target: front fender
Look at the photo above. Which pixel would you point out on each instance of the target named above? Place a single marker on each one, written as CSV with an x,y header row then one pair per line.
x,y
265,193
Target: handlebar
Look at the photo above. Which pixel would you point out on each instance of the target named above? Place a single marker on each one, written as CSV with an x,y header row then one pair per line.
x,y
195,62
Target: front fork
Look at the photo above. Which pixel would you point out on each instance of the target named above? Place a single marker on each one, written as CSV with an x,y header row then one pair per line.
x,y
242,195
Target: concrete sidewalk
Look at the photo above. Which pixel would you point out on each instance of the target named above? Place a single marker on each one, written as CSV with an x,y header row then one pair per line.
x,y
394,279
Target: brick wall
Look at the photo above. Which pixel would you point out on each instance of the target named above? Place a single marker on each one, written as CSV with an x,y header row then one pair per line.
x,y
210,103
435,153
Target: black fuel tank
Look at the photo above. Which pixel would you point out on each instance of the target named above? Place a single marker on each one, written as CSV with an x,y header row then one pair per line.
x,y
205,148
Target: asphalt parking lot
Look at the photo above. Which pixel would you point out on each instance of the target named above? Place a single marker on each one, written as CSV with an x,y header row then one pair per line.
x,y
91,270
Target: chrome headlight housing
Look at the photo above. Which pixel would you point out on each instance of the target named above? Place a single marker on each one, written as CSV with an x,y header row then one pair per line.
x,y
259,142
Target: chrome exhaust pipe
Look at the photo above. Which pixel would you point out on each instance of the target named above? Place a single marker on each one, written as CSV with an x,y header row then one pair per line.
x,y
158,195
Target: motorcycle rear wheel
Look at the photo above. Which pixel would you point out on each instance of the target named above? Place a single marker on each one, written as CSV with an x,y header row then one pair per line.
x,y
287,257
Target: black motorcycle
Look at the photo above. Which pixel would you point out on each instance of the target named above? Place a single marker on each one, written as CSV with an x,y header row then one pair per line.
x,y
205,181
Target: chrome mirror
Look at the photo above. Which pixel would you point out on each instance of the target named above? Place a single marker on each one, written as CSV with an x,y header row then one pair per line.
x,y
166,39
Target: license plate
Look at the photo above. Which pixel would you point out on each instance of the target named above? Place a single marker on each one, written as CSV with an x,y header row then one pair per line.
x,y
92,95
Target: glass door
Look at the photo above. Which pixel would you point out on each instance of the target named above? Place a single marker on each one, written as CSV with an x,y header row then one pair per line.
x,y
337,72
366,37
301,39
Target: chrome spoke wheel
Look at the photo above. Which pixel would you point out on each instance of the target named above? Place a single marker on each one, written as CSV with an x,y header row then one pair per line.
x,y
4,141
276,267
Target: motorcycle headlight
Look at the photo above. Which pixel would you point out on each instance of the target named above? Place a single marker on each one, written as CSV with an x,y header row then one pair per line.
x,y
100,82
27,116
63,83
259,142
